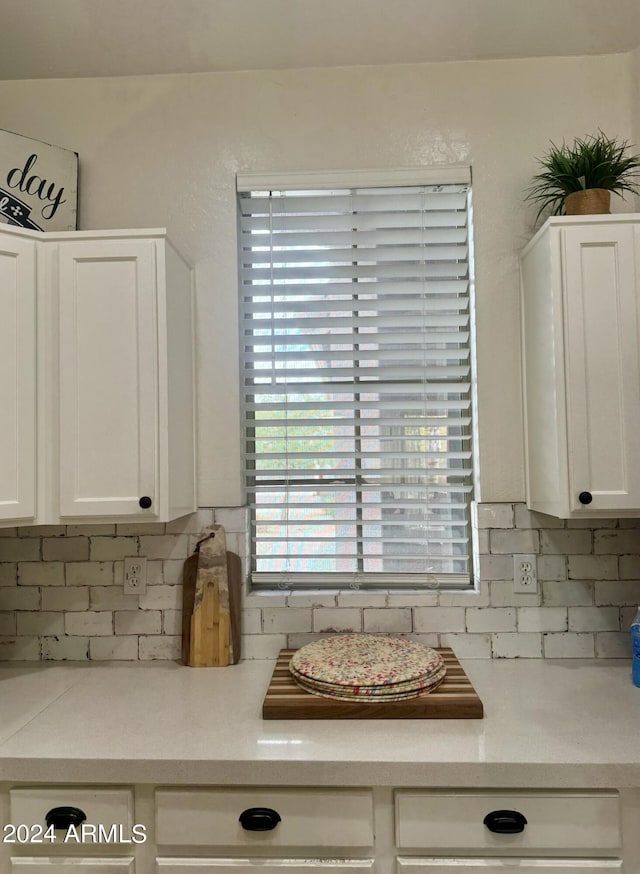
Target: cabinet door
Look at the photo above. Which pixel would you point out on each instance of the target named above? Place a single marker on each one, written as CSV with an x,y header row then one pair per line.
x,y
108,377
75,865
17,378
601,294
509,866
265,866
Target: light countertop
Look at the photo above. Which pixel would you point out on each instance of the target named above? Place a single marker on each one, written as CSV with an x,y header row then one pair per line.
x,y
561,723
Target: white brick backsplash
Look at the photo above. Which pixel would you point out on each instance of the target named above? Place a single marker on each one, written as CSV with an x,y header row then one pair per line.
x,y
514,541
629,566
468,646
100,530
470,598
594,619
439,619
337,619
89,573
65,549
613,645
38,573
311,599
283,621
592,523
232,518
172,571
516,645
493,515
361,599
194,523
502,595
301,638
111,598
8,623
552,567
589,573
567,593
593,567
8,573
19,599
160,646
39,624
387,619
172,621
481,541
89,623
619,593
137,622
525,518
113,648
251,621
542,619
491,619
19,549
568,646
75,598
618,542
413,599
112,548
169,546
263,646
496,567
565,542
19,649
162,598
72,649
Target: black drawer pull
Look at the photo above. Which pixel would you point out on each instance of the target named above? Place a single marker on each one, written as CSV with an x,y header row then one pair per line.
x,y
63,817
259,819
505,822
145,502
585,497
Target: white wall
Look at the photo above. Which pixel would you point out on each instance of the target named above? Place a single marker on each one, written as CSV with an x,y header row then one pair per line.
x,y
163,151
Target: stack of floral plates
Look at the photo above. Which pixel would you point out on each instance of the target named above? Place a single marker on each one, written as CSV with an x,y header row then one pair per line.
x,y
367,667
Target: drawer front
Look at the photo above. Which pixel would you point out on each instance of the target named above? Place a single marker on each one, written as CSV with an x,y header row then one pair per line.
x,y
509,866
75,865
564,822
266,866
103,807
316,818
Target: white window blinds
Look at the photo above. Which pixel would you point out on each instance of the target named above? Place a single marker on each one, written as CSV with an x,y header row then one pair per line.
x,y
355,342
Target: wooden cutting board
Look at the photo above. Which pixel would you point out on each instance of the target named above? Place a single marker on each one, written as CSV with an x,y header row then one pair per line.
x,y
455,698
211,603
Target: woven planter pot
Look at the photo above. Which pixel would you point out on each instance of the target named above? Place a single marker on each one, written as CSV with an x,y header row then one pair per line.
x,y
591,201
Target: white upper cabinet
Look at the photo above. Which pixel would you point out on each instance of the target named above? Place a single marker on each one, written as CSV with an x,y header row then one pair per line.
x,y
581,366
17,378
114,375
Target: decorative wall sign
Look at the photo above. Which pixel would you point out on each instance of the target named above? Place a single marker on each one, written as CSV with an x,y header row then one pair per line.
x,y
38,184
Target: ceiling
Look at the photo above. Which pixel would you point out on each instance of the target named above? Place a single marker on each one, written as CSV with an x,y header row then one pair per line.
x,y
71,38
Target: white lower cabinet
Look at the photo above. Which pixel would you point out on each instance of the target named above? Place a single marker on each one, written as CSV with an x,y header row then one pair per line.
x,y
77,866
535,832
509,866
266,866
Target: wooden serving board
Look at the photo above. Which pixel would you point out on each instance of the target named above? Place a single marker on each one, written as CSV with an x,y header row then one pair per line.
x,y
455,698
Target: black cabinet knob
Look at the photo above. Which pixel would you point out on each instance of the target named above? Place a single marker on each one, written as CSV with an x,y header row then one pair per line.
x,y
63,817
145,502
259,819
585,497
505,822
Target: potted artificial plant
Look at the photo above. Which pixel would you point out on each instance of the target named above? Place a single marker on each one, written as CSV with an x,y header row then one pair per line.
x,y
579,179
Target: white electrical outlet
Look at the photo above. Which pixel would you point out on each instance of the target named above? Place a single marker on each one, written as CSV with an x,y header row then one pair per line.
x,y
525,574
135,576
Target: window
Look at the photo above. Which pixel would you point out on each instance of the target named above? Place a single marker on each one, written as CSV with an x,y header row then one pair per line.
x,y
356,384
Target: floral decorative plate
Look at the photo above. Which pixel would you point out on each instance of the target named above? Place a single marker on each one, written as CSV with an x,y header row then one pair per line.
x,y
365,660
